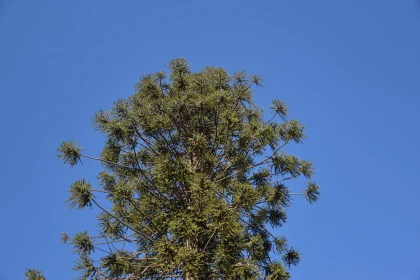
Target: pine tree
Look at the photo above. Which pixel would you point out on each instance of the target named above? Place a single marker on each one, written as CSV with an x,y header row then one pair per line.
x,y
196,179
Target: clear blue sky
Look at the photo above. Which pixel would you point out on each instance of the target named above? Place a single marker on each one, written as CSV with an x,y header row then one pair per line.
x,y
349,70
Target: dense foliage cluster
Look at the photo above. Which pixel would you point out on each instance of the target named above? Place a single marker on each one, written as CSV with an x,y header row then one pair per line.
x,y
196,179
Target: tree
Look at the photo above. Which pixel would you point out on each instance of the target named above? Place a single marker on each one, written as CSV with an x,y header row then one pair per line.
x,y
196,179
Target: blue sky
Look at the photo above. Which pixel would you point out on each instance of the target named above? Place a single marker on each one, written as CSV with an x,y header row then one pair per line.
x,y
349,70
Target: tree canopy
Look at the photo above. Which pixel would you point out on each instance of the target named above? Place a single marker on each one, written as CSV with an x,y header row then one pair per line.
x,y
196,178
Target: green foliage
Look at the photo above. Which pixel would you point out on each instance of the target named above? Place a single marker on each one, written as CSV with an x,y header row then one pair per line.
x,y
83,244
279,108
86,268
292,257
312,192
195,178
34,274
81,194
69,152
